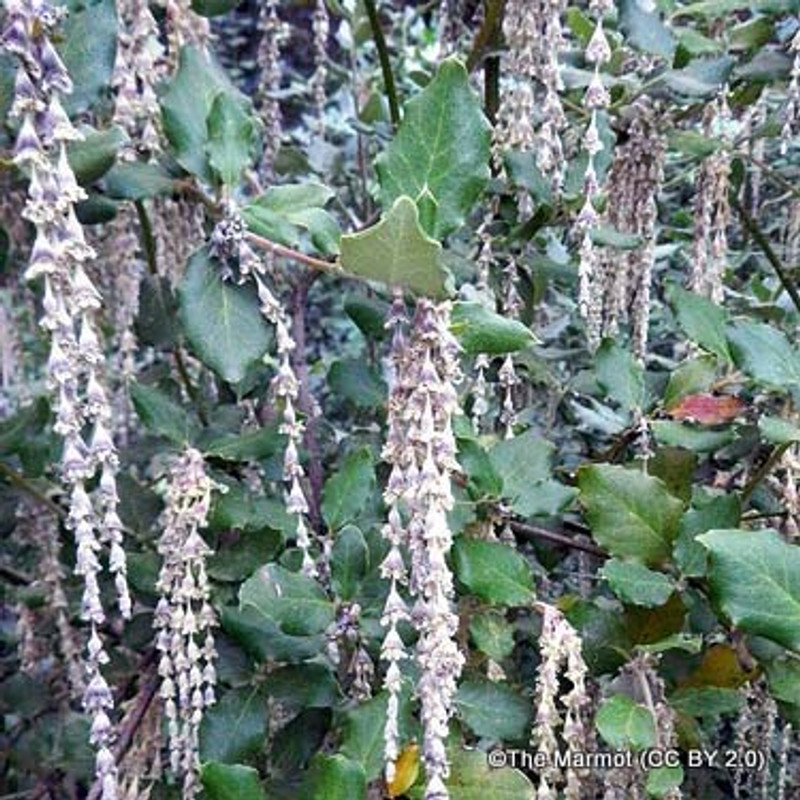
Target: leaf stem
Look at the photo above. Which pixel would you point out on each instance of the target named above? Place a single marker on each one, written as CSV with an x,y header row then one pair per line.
x,y
295,255
535,532
761,240
383,56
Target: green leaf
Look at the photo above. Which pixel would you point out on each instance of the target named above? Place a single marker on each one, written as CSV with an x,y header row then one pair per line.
x,y
481,474
693,143
94,155
349,562
694,376
162,415
620,374
261,637
480,330
765,354
625,725
252,446
692,437
778,431
441,151
88,48
358,381
228,781
492,634
631,514
231,138
471,778
156,323
493,711
690,556
368,314
234,557
282,212
346,493
706,701
755,579
362,731
644,29
138,181
295,602
664,780
222,322
186,105
233,729
493,571
753,34
702,321
636,584
96,209
523,464
701,78
335,778
302,686
396,252
695,43
291,198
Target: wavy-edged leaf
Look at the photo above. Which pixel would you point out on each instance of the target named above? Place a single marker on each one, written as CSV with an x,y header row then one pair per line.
x,y
755,579
440,155
493,571
631,514
396,252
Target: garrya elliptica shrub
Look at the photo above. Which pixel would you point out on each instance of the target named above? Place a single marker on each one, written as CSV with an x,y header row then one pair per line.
x,y
399,400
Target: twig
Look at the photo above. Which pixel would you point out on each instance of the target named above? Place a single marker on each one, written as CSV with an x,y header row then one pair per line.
x,y
764,470
766,248
386,64
535,532
23,484
295,255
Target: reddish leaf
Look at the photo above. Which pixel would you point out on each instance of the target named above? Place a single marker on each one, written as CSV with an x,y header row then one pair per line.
x,y
708,409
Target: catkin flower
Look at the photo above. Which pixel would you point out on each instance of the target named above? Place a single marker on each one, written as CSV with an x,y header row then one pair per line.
x,y
535,38
617,284
712,209
398,453
139,65
421,447
70,301
560,653
273,33
184,618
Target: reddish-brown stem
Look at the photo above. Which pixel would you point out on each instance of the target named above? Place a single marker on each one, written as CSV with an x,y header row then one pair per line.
x,y
295,255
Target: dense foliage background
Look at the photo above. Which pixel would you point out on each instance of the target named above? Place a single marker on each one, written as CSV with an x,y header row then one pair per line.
x,y
605,222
